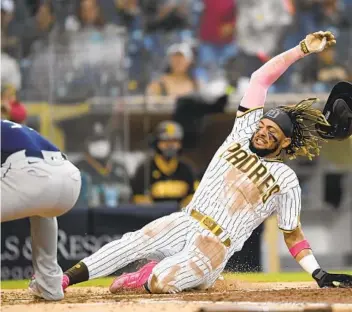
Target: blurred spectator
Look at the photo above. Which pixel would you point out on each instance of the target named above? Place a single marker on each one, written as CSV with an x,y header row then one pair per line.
x,y
8,43
330,15
127,10
91,34
304,15
324,71
31,23
260,25
177,80
128,14
84,61
45,17
88,22
10,71
163,176
165,22
165,15
239,69
89,14
217,26
310,15
11,108
305,19
105,182
92,59
260,29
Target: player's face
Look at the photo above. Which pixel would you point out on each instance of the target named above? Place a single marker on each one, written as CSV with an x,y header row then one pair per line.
x,y
268,139
175,144
169,148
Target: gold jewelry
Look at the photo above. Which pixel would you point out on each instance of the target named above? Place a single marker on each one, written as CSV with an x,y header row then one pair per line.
x,y
304,47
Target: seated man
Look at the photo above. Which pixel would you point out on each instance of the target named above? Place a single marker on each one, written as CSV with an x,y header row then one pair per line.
x,y
164,176
105,180
244,184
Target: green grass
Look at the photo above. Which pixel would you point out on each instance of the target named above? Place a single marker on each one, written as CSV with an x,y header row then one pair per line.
x,y
249,277
23,284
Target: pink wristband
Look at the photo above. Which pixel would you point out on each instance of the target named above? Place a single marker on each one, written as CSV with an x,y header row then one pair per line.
x,y
297,248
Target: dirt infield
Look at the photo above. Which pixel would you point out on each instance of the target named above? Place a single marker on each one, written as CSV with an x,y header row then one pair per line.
x,y
271,295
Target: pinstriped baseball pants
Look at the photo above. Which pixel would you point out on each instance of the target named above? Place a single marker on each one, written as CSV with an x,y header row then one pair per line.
x,y
191,256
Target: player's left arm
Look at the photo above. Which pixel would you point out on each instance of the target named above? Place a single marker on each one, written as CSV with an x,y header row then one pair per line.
x,y
302,253
251,107
288,213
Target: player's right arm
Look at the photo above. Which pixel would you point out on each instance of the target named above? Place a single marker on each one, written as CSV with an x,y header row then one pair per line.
x,y
265,76
251,107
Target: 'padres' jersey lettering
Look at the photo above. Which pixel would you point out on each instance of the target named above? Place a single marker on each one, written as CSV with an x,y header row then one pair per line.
x,y
250,165
239,190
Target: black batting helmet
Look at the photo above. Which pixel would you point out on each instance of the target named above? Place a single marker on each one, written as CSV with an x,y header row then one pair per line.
x,y
167,130
338,112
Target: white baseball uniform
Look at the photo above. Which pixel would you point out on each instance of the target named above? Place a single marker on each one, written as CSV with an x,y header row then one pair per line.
x,y
238,192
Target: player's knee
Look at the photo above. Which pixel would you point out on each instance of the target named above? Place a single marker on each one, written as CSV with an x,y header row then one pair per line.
x,y
164,283
211,252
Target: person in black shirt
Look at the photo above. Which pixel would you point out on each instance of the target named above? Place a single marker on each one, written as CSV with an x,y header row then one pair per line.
x,y
105,181
164,177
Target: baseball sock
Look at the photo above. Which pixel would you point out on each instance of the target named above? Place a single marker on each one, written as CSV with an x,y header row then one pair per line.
x,y
78,273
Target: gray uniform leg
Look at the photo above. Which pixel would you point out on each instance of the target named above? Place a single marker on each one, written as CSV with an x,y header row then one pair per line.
x,y
40,190
48,273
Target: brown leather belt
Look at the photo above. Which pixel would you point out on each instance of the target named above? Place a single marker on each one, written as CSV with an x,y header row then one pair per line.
x,y
208,223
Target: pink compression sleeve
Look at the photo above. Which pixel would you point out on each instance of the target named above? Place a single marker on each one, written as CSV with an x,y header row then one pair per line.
x,y
297,248
265,76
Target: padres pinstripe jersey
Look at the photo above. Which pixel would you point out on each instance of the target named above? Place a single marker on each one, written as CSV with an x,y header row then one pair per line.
x,y
240,190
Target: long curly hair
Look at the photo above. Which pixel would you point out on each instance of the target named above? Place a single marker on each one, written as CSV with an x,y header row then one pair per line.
x,y
305,140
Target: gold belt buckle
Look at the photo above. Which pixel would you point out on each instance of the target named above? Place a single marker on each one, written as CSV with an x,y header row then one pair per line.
x,y
210,224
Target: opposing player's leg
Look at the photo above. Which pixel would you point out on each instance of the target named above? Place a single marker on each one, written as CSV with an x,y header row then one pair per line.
x,y
166,235
197,266
64,191
47,272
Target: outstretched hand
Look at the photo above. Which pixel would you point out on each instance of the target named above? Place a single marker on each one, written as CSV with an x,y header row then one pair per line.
x,y
317,42
328,280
